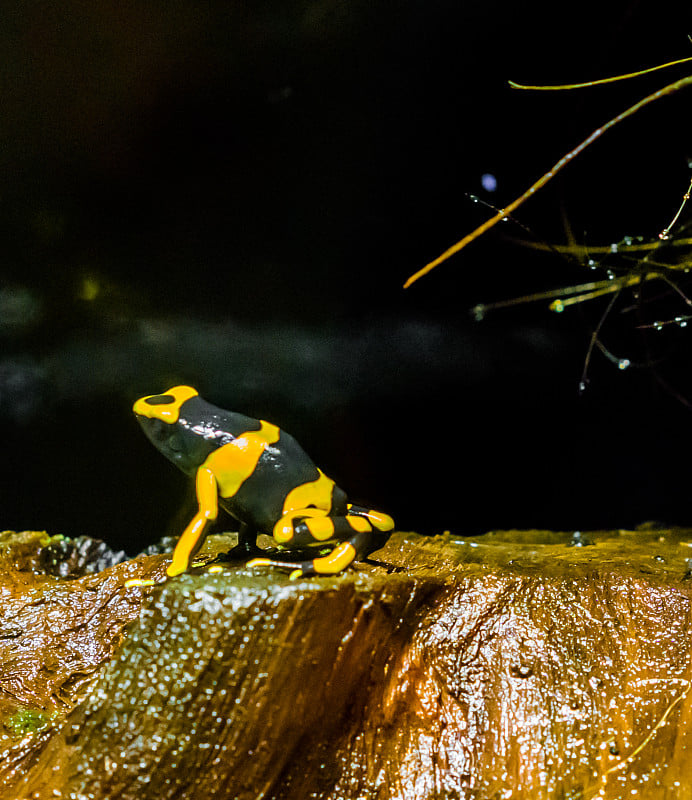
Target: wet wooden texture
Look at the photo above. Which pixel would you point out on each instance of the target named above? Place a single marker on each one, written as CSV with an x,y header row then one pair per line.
x,y
517,664
62,616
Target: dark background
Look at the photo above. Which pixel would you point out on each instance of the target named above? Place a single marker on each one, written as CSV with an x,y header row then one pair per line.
x,y
231,194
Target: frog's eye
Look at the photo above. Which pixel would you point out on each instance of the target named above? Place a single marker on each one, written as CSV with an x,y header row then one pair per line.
x,y
160,400
175,443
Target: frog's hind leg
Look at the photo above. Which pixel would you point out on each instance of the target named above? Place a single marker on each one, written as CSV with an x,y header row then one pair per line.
x,y
359,531
358,519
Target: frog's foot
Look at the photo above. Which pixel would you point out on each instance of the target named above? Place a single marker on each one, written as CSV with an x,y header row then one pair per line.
x,y
243,551
246,548
240,554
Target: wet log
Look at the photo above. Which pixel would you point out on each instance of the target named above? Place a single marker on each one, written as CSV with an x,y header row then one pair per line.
x,y
516,664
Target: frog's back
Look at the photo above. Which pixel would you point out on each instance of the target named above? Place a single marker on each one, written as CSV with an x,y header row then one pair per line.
x,y
282,468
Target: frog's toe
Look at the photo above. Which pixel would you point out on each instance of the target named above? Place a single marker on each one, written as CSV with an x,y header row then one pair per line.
x,y
298,569
270,562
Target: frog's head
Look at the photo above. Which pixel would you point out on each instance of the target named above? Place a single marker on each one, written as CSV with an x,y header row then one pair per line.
x,y
167,420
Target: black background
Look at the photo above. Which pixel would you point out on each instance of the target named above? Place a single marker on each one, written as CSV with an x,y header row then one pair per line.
x,y
231,194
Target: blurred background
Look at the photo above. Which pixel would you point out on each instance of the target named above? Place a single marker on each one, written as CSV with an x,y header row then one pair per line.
x,y
231,195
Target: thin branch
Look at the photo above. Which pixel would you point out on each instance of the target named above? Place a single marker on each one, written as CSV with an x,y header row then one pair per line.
x,y
541,182
665,233
560,87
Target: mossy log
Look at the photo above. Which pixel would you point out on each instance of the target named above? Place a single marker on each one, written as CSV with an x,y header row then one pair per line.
x,y
516,664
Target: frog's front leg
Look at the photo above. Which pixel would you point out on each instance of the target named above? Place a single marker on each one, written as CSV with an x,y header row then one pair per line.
x,y
359,532
247,546
193,536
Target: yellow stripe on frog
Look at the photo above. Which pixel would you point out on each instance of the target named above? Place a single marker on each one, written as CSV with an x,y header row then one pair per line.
x,y
317,493
166,412
321,528
233,463
283,530
337,560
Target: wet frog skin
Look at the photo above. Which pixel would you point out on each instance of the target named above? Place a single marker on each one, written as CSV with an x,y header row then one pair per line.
x,y
263,478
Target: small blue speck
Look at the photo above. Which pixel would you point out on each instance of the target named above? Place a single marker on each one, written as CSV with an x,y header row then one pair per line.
x,y
488,182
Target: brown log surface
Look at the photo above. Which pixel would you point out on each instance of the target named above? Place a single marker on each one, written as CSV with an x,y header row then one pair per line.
x,y
516,664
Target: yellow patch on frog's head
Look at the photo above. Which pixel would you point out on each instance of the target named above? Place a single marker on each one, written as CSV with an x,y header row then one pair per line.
x,y
166,406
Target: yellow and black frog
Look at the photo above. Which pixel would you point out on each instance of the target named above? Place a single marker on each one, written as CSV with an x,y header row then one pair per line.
x,y
263,478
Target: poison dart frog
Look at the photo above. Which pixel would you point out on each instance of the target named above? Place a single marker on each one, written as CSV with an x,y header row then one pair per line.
x,y
263,478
